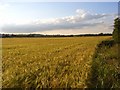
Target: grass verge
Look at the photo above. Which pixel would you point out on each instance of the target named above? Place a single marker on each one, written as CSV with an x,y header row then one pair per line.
x,y
106,66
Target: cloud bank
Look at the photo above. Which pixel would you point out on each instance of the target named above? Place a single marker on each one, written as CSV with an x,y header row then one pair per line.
x,y
81,22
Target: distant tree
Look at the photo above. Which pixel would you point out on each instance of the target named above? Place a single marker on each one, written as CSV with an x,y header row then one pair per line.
x,y
116,32
101,34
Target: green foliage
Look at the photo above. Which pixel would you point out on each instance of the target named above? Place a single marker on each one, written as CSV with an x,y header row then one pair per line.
x,y
106,66
116,32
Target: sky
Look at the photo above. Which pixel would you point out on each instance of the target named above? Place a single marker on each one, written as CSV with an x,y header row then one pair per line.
x,y
57,17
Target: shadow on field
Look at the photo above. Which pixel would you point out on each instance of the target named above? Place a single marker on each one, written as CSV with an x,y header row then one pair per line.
x,y
105,70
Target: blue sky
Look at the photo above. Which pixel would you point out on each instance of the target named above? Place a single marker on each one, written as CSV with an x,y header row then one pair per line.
x,y
16,15
53,10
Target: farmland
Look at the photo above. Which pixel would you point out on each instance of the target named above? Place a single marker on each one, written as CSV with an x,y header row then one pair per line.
x,y
48,62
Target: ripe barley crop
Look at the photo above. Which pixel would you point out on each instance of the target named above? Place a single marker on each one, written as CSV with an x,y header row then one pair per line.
x,y
47,62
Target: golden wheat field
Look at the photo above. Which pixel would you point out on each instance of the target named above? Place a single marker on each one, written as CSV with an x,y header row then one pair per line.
x,y
47,62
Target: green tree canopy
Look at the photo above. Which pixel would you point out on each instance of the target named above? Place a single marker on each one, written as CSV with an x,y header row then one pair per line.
x,y
116,32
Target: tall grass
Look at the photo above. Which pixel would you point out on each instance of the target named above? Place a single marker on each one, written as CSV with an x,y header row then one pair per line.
x,y
106,66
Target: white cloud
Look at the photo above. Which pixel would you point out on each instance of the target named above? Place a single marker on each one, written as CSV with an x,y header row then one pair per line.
x,y
81,15
5,18
81,12
74,23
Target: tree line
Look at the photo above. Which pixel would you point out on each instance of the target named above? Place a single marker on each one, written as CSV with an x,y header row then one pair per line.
x,y
41,35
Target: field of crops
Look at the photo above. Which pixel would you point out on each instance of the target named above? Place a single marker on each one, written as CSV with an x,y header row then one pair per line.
x,y
48,62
